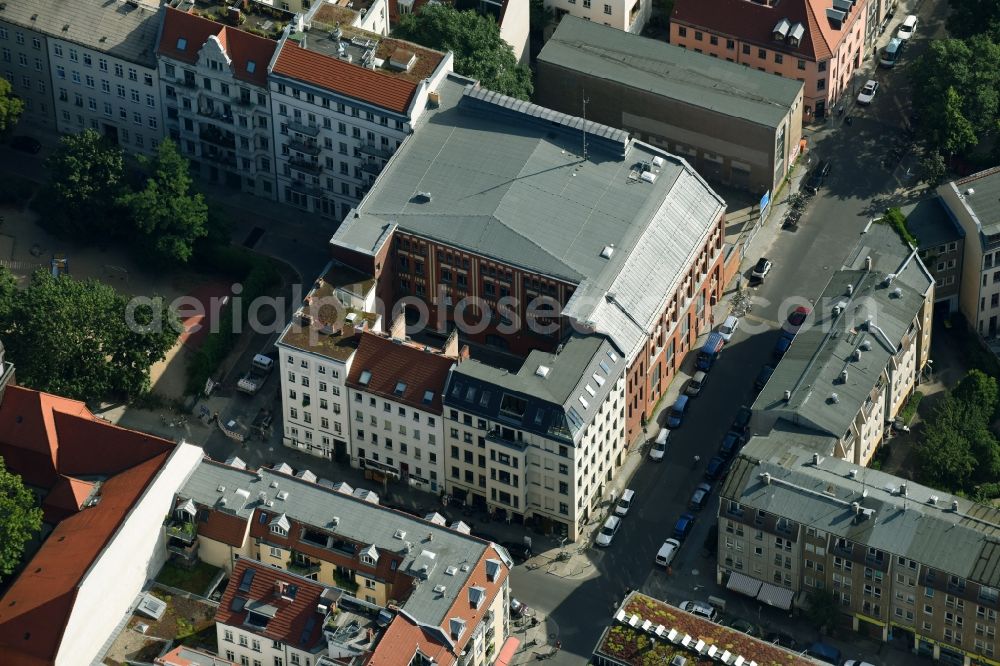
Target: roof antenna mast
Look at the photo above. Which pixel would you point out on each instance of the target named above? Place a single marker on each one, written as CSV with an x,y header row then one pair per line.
x,y
585,101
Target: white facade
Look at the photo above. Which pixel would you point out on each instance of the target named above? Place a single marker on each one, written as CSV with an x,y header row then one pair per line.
x,y
628,15
397,438
241,646
117,98
314,402
134,555
220,122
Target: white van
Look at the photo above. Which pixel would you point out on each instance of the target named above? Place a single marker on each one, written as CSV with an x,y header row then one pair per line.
x,y
625,502
659,448
667,552
908,27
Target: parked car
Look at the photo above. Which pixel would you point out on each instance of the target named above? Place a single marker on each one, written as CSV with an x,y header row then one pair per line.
x,y
817,176
857,662
730,444
659,448
729,327
781,346
715,468
625,502
824,652
519,552
709,352
25,144
762,378
608,531
696,384
761,268
665,555
796,318
700,608
784,640
676,415
683,526
907,27
746,627
699,498
867,93
742,421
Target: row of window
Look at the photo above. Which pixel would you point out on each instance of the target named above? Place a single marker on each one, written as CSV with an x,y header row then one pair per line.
x,y
120,89
36,42
340,107
586,5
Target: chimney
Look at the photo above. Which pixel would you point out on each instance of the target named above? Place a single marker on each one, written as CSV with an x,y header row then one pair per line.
x,y
348,330
868,264
451,345
464,353
902,489
397,329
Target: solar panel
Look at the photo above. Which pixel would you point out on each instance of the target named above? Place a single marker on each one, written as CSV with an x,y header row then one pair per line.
x,y
247,580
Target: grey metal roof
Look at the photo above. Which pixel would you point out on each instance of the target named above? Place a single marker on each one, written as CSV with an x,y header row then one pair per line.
x,y
984,202
670,71
928,220
508,180
821,398
126,30
963,542
359,521
553,406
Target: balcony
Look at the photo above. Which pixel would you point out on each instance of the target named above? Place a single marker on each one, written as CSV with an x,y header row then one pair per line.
x,y
308,130
371,167
188,552
307,147
306,166
374,150
215,113
182,530
225,157
214,135
305,569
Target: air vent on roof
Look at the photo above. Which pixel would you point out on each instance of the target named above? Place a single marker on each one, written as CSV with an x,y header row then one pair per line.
x,y
542,371
933,499
400,534
787,395
954,505
657,161
648,176
335,521
422,197
451,571
465,568
866,345
843,378
608,251
834,398
843,5
969,192
897,292
283,495
765,478
221,489
440,589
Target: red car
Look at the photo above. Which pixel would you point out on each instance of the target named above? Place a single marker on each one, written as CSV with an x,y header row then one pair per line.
x,y
797,317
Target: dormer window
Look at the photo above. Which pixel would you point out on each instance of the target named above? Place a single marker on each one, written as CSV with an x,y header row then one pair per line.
x,y
369,556
280,525
795,34
781,29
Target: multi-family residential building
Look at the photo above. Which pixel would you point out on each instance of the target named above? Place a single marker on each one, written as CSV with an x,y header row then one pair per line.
x,y
512,16
316,350
904,561
972,203
460,236
98,70
628,15
102,536
411,585
183,655
343,97
24,55
395,404
214,82
858,358
541,444
735,126
941,246
818,42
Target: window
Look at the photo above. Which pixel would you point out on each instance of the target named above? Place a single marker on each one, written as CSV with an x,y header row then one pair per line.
x,y
778,58
713,40
607,9
682,31
820,84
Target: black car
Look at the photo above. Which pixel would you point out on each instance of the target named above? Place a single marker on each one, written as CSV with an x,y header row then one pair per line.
x,y
730,445
784,640
818,175
25,144
519,552
715,468
762,378
742,422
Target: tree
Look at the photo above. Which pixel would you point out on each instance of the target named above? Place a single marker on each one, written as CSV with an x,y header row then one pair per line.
x,y
978,394
822,610
84,340
11,107
974,17
480,52
167,217
933,168
20,519
86,179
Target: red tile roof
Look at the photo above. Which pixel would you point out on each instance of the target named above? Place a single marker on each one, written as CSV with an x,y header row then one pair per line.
x,y
403,638
378,88
291,617
66,498
44,438
754,22
390,363
242,47
224,527
464,609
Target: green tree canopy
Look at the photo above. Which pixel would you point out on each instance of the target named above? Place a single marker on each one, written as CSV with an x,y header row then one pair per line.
x,y
11,107
480,52
974,17
82,339
85,180
20,519
166,215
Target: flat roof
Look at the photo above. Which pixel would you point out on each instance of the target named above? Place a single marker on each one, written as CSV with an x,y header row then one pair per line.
x,y
714,84
507,179
984,201
126,30
928,220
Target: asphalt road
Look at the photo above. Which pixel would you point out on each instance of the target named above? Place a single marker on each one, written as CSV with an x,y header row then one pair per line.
x,y
859,188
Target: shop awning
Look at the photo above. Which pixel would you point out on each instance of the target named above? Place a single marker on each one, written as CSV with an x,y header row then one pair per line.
x,y
772,595
743,584
507,652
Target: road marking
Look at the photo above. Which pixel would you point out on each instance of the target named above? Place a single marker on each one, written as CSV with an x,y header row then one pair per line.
x,y
761,320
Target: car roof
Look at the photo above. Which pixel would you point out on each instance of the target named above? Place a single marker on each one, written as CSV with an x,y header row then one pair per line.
x,y
910,20
612,521
871,82
729,319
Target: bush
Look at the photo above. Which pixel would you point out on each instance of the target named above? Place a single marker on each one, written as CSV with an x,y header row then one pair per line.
x,y
894,217
908,412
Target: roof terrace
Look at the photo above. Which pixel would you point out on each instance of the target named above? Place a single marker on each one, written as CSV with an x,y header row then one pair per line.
x,y
250,16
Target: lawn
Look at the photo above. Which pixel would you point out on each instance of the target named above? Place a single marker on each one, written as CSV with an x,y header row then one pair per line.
x,y
194,580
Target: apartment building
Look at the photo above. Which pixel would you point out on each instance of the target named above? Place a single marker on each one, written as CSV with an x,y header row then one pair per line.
x,y
735,126
859,356
410,585
344,97
628,15
186,656
904,562
395,404
214,85
315,351
539,445
463,239
941,247
971,203
102,536
818,42
97,71
513,17
24,53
